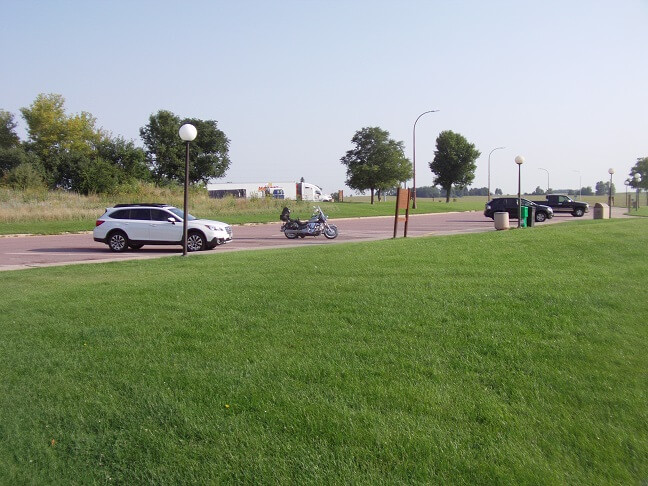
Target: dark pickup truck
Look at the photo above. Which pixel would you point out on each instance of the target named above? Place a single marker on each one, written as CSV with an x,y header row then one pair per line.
x,y
564,204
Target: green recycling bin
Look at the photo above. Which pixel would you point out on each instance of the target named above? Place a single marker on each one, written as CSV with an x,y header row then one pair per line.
x,y
523,216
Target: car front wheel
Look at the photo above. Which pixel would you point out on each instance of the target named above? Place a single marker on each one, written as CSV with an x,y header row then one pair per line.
x,y
540,217
196,242
118,242
578,212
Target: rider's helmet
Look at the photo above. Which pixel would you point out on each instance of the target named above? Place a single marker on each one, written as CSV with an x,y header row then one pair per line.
x,y
285,214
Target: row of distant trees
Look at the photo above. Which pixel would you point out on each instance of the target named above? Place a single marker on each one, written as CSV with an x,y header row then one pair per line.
x,y
601,189
437,192
70,152
378,164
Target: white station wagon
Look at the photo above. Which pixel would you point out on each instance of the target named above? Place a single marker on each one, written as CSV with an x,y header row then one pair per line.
x,y
135,225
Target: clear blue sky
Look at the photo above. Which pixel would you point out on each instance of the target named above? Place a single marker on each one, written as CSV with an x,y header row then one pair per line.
x,y
564,83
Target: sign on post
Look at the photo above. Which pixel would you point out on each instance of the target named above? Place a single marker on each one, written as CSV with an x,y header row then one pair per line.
x,y
402,202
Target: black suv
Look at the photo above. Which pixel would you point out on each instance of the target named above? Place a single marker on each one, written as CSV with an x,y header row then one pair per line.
x,y
510,205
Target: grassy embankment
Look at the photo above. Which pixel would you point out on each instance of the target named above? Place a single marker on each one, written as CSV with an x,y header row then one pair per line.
x,y
495,358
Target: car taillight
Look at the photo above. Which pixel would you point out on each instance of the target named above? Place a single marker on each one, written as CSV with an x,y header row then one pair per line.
x,y
99,222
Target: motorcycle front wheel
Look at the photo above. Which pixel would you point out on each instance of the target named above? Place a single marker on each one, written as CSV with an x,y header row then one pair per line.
x,y
290,236
331,232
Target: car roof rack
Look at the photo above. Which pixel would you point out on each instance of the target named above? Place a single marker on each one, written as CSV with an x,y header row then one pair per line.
x,y
155,205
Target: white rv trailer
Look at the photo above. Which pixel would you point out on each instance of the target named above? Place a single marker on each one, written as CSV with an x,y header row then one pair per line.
x,y
278,190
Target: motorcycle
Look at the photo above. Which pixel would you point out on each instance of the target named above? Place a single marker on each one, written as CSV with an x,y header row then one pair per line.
x,y
315,226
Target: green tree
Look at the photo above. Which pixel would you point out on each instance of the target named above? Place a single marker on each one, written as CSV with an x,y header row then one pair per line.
x,y
603,188
165,150
126,157
376,161
426,191
600,188
51,131
11,158
641,168
25,176
209,153
60,141
8,137
586,191
454,161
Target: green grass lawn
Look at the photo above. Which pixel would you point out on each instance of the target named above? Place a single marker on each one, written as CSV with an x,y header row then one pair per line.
x,y
512,357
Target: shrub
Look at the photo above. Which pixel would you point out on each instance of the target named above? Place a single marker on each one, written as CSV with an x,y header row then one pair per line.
x,y
25,176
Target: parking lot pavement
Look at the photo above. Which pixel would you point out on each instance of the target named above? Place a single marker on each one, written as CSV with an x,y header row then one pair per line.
x,y
20,252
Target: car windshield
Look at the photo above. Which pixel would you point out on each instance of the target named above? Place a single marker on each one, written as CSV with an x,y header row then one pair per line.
x,y
180,214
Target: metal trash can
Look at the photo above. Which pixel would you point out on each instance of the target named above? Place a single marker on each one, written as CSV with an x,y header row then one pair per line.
x,y
530,222
501,220
524,214
601,211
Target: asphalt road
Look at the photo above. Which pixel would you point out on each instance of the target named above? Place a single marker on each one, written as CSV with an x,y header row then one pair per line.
x,y
20,252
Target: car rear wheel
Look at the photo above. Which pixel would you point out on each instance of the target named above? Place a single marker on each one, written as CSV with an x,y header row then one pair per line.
x,y
118,241
196,242
540,217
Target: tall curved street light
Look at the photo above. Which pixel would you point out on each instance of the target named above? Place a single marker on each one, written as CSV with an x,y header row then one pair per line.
x,y
187,133
637,180
540,168
580,185
519,160
610,171
414,157
489,155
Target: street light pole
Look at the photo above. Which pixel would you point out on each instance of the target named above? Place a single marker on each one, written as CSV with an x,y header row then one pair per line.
x,y
637,178
489,156
414,157
580,185
519,160
610,171
187,133
627,183
540,168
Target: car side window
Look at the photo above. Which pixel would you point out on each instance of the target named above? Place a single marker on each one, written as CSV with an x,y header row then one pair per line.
x,y
121,214
142,214
159,215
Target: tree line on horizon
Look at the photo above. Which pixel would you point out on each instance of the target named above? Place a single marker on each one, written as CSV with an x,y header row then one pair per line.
x,y
69,152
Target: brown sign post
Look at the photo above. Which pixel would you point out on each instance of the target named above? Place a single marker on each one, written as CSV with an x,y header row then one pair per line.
x,y
402,202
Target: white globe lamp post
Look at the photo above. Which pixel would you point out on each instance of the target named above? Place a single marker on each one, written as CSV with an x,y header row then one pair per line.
x,y
519,160
187,133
